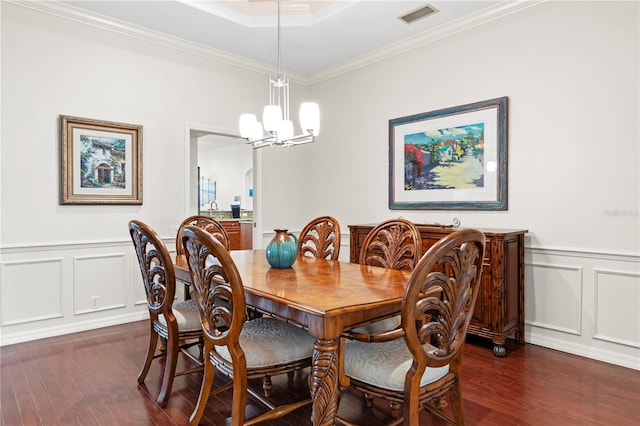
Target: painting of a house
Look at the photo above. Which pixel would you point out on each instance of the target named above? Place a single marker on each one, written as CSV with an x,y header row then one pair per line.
x,y
103,162
447,158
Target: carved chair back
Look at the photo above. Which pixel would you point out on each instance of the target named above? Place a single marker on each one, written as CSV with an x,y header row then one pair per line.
x,y
210,225
320,238
392,244
218,288
437,308
156,266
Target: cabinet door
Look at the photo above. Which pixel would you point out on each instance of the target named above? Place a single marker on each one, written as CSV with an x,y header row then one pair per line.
x,y
246,236
233,232
482,310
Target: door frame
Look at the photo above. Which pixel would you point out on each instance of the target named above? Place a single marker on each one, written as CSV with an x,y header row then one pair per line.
x,y
192,132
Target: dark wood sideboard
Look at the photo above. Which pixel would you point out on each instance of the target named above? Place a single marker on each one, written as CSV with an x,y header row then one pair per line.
x,y
499,310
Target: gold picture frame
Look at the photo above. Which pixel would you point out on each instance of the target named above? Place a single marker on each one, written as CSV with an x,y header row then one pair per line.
x,y
101,161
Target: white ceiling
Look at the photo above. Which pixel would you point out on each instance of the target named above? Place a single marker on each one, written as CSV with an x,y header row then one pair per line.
x,y
317,36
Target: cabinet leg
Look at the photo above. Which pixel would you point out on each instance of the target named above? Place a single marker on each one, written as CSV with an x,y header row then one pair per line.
x,y
499,350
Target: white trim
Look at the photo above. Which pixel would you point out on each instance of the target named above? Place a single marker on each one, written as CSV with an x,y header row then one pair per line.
x,y
611,357
452,28
79,15
195,127
580,284
76,264
596,282
69,245
73,13
41,333
590,254
56,260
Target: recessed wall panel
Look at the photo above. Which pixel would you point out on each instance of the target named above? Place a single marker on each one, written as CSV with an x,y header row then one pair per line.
x,y
553,297
617,307
30,290
99,282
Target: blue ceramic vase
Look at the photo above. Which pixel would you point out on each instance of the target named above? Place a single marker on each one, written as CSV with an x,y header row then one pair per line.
x,y
282,249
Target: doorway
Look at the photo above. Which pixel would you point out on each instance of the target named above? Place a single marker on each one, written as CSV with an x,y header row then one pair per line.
x,y
231,170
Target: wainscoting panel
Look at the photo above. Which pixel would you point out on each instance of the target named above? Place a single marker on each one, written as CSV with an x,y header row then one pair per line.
x,y
53,289
31,290
585,303
106,275
617,307
555,302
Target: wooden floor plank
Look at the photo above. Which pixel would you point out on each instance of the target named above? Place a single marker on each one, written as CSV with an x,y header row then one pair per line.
x,y
90,378
10,413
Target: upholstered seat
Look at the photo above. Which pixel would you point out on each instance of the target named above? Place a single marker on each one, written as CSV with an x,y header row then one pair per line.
x,y
268,341
418,364
385,364
187,316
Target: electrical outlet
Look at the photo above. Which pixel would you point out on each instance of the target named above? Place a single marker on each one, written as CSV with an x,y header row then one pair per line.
x,y
94,302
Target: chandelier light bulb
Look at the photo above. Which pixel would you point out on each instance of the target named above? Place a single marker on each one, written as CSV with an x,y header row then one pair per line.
x,y
286,130
310,118
247,125
258,131
271,118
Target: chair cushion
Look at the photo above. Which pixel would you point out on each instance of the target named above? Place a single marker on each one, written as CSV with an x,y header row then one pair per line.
x,y
268,341
379,326
186,314
385,365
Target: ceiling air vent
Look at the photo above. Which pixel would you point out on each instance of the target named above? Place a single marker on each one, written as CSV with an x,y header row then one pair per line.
x,y
419,13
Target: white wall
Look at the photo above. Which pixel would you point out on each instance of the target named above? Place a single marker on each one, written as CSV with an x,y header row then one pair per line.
x,y
53,66
570,70
55,258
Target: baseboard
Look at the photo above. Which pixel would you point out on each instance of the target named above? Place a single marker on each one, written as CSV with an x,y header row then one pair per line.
x,y
610,357
41,333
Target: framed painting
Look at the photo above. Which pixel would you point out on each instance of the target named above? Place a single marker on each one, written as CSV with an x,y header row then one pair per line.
x,y
101,162
450,159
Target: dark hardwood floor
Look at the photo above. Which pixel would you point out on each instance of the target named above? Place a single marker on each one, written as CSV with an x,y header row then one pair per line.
x,y
89,378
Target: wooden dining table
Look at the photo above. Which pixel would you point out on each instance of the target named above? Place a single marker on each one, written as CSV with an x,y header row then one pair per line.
x,y
325,297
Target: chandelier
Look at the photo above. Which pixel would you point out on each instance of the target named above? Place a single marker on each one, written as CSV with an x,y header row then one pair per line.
x,y
276,129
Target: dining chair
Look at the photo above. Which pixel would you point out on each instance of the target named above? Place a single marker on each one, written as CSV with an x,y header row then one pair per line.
x,y
420,362
320,238
391,244
177,324
243,350
210,225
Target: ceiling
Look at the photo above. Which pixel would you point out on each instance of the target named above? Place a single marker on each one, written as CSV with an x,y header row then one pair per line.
x,y
317,36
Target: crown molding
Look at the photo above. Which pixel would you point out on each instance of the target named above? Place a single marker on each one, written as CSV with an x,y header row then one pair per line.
x,y
56,8
66,11
487,15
